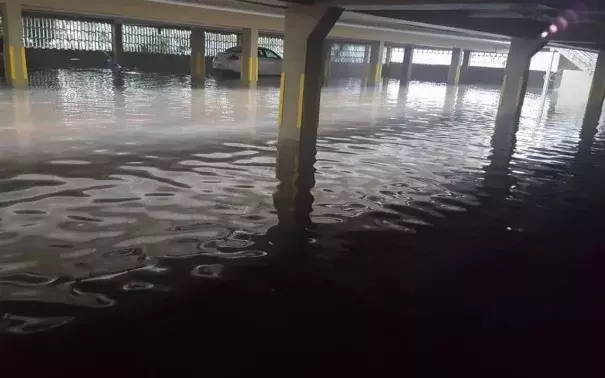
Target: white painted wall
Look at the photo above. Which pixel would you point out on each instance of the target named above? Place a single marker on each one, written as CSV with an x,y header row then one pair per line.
x,y
574,87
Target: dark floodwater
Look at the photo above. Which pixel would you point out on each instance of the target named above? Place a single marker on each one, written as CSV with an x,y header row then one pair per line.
x,y
148,221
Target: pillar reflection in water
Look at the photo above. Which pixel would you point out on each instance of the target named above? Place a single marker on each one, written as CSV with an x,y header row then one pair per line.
x,y
118,79
552,104
450,99
583,159
22,118
402,98
498,180
293,199
460,98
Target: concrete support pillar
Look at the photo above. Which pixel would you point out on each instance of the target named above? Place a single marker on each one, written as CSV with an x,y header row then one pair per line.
x,y
249,57
327,61
366,54
306,28
406,66
305,31
117,42
15,62
198,55
389,52
375,72
596,95
466,59
453,75
516,75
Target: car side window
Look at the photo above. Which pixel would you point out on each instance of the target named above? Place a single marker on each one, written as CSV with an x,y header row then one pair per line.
x,y
271,55
261,52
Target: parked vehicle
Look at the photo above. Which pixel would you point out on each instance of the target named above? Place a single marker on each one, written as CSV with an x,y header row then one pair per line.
x,y
229,61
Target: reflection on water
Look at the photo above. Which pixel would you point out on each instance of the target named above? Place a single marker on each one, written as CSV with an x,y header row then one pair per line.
x,y
110,193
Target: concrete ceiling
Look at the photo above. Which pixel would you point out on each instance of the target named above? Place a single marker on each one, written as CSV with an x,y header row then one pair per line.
x,y
580,23
366,21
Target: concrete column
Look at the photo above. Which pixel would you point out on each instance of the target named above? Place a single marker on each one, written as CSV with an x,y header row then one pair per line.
x,y
596,95
327,61
389,52
15,62
453,75
117,42
366,54
198,55
406,66
375,72
466,59
249,57
306,28
516,74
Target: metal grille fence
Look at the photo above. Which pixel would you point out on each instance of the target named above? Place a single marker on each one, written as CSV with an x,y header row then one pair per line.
x,y
150,39
219,42
539,62
348,53
65,34
397,54
484,59
430,56
276,44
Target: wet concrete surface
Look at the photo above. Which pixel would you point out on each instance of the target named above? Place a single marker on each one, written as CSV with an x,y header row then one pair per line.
x,y
146,228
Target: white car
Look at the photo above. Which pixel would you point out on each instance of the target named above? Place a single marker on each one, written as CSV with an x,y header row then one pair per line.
x,y
269,63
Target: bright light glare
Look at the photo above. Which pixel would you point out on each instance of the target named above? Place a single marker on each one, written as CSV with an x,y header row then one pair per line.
x,y
553,28
544,34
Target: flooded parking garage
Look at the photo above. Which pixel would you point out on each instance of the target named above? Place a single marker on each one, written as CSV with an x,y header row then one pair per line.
x,y
134,205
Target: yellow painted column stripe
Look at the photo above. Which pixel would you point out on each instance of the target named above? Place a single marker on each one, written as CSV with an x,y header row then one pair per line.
x,y
253,68
24,63
282,88
251,75
11,61
502,90
301,91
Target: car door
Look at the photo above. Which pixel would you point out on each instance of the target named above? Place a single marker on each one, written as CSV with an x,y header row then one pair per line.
x,y
271,62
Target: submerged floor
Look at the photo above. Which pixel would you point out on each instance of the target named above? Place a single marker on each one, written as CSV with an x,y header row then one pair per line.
x,y
139,216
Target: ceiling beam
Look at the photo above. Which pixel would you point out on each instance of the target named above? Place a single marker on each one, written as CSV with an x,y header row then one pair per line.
x,y
587,34
440,4
520,27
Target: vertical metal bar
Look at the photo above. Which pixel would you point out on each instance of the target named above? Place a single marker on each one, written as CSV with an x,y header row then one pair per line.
x,y
38,32
67,35
34,32
547,75
546,84
43,32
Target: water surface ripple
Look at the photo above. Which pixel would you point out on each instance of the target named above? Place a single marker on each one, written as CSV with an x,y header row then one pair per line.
x,y
109,195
